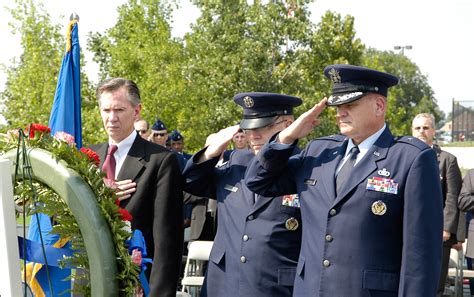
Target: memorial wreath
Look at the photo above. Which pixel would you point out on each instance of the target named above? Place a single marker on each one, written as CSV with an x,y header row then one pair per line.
x,y
33,196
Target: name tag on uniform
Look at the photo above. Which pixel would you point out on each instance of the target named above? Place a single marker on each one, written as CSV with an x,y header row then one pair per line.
x,y
292,200
384,185
310,182
231,188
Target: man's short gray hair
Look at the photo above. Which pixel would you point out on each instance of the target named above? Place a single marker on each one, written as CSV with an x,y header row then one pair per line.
x,y
427,116
113,84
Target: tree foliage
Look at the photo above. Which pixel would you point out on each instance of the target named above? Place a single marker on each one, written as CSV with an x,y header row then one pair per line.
x,y
413,94
140,47
31,81
234,46
270,47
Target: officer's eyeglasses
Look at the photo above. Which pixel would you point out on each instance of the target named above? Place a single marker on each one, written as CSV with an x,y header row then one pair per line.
x,y
159,134
268,127
142,131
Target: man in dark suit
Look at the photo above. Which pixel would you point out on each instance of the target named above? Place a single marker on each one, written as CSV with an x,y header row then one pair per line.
x,y
371,203
149,182
258,238
423,128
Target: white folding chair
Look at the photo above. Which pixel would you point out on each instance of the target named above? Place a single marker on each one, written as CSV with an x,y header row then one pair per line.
x,y
198,255
455,271
458,270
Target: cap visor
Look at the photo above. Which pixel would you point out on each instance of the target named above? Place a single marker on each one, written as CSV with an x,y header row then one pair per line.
x,y
335,100
249,124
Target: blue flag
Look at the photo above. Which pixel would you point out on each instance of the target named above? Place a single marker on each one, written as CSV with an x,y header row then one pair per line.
x,y
65,117
66,111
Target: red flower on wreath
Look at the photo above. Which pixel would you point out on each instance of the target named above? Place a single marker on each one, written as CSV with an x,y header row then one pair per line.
x,y
66,137
126,216
38,128
93,156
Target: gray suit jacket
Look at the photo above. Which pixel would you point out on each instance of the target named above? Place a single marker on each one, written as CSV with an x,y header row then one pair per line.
x,y
156,207
466,203
451,181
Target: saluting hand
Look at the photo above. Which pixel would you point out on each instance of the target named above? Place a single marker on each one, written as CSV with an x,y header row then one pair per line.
x,y
217,143
303,125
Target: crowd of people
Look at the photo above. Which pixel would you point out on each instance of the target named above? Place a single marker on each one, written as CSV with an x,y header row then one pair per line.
x,y
360,213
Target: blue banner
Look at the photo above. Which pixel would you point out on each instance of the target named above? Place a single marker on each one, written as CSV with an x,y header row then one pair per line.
x,y
66,110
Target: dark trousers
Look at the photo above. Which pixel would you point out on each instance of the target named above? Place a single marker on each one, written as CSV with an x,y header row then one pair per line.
x,y
208,230
444,268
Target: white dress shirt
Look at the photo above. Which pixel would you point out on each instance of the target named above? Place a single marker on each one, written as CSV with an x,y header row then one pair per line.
x,y
364,147
123,147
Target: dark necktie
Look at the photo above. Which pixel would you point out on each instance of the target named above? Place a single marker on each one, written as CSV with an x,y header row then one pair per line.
x,y
345,171
109,164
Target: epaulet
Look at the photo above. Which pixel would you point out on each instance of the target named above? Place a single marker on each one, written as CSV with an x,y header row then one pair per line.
x,y
334,137
413,141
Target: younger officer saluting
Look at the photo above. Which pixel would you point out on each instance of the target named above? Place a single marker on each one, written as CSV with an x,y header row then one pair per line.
x,y
258,238
372,202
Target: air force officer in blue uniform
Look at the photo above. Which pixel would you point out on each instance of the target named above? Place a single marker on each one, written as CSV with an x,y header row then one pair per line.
x,y
371,203
258,238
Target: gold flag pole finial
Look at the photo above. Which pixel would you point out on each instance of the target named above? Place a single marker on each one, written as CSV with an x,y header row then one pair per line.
x,y
73,19
74,16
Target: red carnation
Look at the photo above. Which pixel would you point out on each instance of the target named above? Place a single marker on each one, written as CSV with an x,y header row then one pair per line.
x,y
38,128
126,216
93,156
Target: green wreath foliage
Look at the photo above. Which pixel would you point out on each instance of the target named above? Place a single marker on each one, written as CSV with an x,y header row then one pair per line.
x,y
50,203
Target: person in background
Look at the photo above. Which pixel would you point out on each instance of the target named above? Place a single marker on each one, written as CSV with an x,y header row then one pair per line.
x,y
143,128
240,140
159,134
466,203
371,203
423,128
177,144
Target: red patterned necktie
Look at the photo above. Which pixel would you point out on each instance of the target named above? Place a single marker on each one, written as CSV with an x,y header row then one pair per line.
x,y
109,164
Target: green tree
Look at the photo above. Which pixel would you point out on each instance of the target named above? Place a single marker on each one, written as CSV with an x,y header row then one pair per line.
x,y
332,42
235,47
413,94
140,47
31,82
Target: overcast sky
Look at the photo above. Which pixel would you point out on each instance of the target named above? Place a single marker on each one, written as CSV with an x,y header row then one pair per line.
x,y
440,32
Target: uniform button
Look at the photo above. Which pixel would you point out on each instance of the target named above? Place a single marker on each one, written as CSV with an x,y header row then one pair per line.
x,y
245,237
326,263
328,237
332,212
243,259
250,217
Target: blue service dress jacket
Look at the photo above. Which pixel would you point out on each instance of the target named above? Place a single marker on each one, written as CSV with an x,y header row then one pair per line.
x,y
258,239
381,235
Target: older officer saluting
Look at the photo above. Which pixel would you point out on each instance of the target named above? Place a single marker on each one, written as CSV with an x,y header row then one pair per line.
x,y
371,203
258,238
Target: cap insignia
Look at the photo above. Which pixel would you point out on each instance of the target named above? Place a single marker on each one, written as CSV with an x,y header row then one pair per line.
x,y
341,98
335,76
248,102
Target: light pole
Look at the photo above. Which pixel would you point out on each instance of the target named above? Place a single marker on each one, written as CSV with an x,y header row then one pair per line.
x,y
402,48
